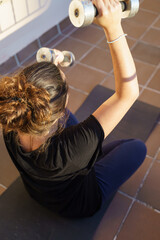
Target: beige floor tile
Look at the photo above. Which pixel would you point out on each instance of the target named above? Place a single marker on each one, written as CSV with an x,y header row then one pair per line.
x,y
84,78
89,34
103,44
152,37
109,83
28,51
150,97
51,33
30,61
131,186
153,142
136,26
112,218
143,18
8,172
78,48
133,29
150,192
152,7
158,157
157,23
66,26
131,42
144,71
142,223
155,83
8,67
54,42
99,59
146,53
76,98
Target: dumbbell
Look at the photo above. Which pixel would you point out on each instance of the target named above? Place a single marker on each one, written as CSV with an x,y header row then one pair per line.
x,y
83,12
48,55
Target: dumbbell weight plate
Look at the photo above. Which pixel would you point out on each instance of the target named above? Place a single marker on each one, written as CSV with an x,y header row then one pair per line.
x,y
132,7
81,13
45,55
69,59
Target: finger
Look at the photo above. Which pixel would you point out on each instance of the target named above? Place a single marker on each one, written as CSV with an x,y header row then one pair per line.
x,y
59,57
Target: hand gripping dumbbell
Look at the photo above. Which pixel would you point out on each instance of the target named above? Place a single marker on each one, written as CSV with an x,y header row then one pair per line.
x,y
49,55
83,12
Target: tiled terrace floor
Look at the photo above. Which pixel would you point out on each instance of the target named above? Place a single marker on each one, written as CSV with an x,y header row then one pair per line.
x,y
135,210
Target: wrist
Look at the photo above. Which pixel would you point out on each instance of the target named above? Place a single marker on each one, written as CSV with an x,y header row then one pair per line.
x,y
113,33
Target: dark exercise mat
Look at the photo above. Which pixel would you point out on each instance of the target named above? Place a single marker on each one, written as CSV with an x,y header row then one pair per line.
x,y
21,218
137,123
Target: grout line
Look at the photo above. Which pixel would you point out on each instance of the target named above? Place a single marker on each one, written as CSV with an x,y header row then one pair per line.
x,y
53,38
126,195
64,36
149,11
140,61
147,172
147,29
148,81
124,219
108,75
148,88
147,205
59,29
86,53
39,43
156,28
138,201
69,33
156,67
134,199
1,185
17,61
78,90
91,67
81,41
26,59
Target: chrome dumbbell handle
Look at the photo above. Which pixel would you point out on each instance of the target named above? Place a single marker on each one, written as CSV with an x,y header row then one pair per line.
x,y
48,55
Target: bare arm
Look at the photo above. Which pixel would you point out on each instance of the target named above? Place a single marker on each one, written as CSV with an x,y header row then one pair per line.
x,y
112,110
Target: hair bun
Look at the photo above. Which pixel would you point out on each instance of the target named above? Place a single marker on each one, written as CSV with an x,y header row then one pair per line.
x,y
21,103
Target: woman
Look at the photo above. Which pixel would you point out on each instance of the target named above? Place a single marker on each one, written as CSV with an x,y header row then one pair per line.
x,y
61,161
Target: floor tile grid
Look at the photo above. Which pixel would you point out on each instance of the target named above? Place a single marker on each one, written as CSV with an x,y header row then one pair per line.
x,y
143,87
92,46
134,199
158,66
91,67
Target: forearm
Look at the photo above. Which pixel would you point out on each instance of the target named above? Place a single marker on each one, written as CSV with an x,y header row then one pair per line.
x,y
124,68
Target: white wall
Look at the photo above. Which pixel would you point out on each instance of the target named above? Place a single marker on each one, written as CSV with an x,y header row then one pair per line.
x,y
24,33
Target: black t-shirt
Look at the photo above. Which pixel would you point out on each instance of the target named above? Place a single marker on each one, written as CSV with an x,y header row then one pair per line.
x,y
62,177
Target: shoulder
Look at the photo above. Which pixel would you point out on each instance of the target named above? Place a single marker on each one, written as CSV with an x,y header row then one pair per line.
x,y
89,127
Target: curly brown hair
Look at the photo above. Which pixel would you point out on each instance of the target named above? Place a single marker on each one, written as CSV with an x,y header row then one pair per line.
x,y
33,100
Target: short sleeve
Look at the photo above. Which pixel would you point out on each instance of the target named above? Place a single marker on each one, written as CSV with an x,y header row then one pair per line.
x,y
81,145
